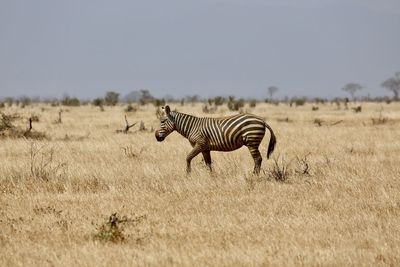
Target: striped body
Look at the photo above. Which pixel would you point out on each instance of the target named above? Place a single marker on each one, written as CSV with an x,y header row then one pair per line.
x,y
217,134
220,134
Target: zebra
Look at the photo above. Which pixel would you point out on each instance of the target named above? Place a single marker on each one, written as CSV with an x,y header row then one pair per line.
x,y
217,134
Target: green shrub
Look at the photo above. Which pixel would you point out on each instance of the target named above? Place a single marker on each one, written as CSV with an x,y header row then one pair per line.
x,y
70,101
235,105
131,108
299,102
111,98
159,102
253,103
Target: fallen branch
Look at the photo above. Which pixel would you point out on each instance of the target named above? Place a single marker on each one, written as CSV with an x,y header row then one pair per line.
x,y
337,122
127,126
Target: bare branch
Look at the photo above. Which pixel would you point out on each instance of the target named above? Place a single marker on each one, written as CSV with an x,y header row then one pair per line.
x,y
127,126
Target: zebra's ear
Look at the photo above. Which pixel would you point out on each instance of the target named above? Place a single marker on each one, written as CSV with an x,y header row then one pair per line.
x,y
167,110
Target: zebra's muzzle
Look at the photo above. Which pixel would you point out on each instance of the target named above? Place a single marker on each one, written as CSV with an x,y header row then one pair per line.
x,y
158,137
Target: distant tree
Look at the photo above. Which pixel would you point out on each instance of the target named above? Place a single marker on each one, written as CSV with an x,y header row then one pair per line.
x,y
111,98
159,102
235,105
133,96
272,90
145,97
25,101
9,101
352,88
131,108
193,98
218,101
393,85
319,100
299,101
70,101
169,98
98,102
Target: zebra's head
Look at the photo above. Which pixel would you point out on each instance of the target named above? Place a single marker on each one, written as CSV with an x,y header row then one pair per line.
x,y
167,125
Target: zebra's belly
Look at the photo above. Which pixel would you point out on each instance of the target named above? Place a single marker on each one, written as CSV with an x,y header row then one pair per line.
x,y
225,147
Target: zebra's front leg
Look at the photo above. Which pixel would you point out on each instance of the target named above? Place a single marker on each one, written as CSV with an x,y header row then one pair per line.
x,y
195,151
207,158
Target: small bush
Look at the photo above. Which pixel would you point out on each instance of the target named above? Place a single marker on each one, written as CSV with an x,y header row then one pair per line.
x,y
357,109
300,102
113,230
253,103
9,101
98,102
6,121
235,105
55,103
159,102
130,153
42,163
142,127
280,171
218,101
9,130
130,108
303,165
35,118
320,100
25,101
380,119
207,109
30,134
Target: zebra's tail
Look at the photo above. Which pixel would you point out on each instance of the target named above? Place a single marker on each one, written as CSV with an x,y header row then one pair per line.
x,y
272,141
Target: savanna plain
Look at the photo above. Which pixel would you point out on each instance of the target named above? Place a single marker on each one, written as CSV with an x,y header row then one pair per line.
x,y
87,195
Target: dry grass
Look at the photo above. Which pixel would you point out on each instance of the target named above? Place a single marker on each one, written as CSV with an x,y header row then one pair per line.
x,y
339,206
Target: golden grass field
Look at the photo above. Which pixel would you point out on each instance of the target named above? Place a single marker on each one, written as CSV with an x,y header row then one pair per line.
x,y
344,210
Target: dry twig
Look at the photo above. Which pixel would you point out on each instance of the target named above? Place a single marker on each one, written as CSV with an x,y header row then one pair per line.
x,y
127,126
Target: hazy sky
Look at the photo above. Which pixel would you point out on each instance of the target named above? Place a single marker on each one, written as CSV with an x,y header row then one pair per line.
x,y
84,48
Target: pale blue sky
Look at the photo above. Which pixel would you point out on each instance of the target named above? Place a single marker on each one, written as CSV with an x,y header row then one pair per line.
x,y
211,47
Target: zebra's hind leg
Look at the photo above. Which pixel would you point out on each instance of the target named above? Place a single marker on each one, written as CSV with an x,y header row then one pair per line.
x,y
207,158
255,153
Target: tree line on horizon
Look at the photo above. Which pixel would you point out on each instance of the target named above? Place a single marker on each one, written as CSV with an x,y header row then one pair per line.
x,y
144,97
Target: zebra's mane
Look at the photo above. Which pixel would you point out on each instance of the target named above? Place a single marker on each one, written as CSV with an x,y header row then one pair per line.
x,y
174,114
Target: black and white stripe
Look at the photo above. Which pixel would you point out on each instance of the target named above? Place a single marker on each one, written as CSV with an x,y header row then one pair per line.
x,y
218,134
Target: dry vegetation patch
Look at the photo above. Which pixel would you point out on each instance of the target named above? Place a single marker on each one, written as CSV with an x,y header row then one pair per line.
x,y
328,196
